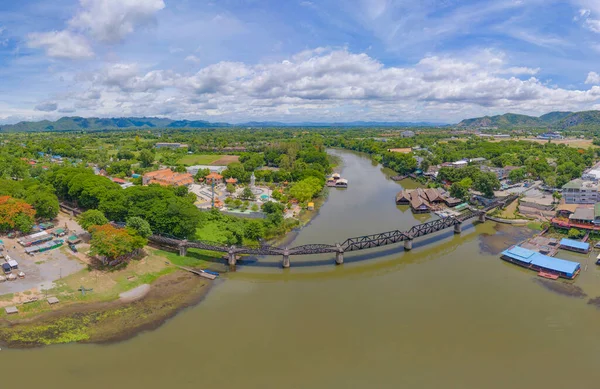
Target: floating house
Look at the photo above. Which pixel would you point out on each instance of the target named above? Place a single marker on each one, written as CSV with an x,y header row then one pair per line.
x,y
574,245
341,183
541,263
422,200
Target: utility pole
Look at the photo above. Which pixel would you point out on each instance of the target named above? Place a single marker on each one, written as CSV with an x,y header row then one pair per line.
x,y
213,192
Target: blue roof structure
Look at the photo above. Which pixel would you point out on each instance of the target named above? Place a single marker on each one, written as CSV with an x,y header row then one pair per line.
x,y
533,257
575,244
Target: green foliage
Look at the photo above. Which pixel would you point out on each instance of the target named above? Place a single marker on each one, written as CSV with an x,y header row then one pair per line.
x,y
146,158
92,217
140,226
247,194
23,223
574,233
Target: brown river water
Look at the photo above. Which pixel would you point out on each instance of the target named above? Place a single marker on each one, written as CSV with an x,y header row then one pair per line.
x,y
448,314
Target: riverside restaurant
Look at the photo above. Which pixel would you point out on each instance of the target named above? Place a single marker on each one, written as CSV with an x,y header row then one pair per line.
x,y
545,265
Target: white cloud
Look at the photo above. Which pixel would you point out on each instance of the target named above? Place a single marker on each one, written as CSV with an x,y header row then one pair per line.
x,y
192,58
61,44
111,20
325,84
593,78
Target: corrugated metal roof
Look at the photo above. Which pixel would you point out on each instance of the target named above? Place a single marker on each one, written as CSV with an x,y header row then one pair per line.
x,y
574,243
535,258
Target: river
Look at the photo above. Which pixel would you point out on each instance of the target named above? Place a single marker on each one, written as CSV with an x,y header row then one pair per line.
x,y
448,314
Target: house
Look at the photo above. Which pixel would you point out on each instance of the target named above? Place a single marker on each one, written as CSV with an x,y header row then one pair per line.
x,y
566,210
164,145
215,178
407,134
422,200
405,150
167,177
579,191
193,170
591,175
231,181
477,160
582,215
459,164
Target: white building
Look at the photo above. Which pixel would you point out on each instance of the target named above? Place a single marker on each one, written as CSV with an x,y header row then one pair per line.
x,y
581,192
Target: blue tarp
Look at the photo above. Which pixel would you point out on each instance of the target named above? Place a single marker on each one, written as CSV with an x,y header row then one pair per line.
x,y
541,260
575,244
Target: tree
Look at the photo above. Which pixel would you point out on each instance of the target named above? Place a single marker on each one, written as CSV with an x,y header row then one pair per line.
x,y
146,158
23,223
140,226
45,203
556,196
254,207
247,194
15,213
112,243
516,175
254,230
91,218
486,183
230,188
125,154
201,173
574,233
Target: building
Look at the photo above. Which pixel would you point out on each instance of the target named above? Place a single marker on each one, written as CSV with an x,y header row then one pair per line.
x,y
459,164
582,215
422,200
215,178
550,135
193,170
404,150
501,172
164,145
407,134
579,191
542,263
574,245
167,177
477,160
591,175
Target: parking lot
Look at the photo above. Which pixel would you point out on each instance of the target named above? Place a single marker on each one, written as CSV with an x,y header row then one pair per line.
x,y
42,269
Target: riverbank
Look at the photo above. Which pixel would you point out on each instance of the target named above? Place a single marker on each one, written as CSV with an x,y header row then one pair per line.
x,y
106,312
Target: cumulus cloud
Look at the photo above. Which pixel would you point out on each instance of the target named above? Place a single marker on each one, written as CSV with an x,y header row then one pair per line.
x,y
111,20
328,84
593,78
46,107
61,44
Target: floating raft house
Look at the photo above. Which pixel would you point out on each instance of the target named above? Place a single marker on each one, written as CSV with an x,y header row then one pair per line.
x,y
574,245
542,263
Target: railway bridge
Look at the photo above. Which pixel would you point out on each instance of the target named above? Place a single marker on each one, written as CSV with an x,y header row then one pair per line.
x,y
350,244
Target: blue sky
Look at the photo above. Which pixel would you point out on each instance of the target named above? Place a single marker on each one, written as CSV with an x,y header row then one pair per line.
x,y
329,60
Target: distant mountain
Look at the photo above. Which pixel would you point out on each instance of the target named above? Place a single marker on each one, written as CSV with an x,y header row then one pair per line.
x,y
341,124
556,120
506,120
99,124
553,117
584,118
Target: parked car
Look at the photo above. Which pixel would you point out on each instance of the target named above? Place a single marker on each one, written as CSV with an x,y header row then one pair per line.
x,y
6,268
73,248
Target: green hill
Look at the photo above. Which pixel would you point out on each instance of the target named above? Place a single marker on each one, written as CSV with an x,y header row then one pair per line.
x,y
555,119
506,120
98,124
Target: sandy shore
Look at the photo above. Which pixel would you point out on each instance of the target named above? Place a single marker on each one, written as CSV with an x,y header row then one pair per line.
x,y
103,322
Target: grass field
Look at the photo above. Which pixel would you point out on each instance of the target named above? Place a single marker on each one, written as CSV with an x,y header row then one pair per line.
x,y
208,159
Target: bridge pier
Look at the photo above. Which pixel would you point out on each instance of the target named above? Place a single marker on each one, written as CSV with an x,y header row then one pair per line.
x,y
339,255
183,248
482,217
458,228
408,244
231,257
285,263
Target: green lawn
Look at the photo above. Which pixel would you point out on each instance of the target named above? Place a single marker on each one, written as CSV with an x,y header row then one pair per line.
x,y
198,159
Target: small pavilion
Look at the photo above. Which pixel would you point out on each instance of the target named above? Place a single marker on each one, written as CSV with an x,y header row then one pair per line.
x,y
215,178
231,181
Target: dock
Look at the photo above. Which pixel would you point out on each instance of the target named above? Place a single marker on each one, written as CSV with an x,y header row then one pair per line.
x,y
198,272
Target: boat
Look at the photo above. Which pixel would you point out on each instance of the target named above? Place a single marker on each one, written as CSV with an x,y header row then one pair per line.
x,y
341,183
214,273
550,276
